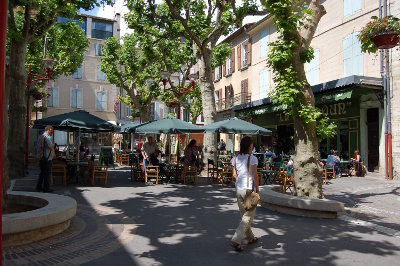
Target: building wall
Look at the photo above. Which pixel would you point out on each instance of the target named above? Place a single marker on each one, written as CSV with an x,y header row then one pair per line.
x,y
395,93
89,82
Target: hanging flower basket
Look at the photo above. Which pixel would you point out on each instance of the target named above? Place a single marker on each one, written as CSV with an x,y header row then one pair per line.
x,y
380,33
386,40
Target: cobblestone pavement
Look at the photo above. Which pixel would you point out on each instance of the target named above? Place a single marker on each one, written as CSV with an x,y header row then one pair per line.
x,y
131,224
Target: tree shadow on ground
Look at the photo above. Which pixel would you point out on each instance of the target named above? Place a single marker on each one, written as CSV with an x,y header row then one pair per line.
x,y
192,225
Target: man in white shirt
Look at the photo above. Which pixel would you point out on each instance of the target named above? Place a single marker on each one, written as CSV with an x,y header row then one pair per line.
x,y
150,148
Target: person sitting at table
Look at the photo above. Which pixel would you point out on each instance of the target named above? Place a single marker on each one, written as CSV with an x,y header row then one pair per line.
x,y
333,161
356,161
290,166
192,154
149,151
269,154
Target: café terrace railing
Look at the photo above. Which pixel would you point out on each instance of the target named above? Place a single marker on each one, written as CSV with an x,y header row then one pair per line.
x,y
229,102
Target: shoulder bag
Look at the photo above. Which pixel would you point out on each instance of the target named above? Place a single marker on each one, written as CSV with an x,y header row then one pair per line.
x,y
252,198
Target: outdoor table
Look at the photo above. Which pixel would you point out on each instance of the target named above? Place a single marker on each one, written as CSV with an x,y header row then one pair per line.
x,y
72,169
268,176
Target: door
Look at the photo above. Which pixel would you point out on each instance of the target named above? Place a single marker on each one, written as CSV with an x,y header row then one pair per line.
x,y
373,139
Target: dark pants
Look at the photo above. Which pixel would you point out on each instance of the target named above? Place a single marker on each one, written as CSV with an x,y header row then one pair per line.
x,y
44,177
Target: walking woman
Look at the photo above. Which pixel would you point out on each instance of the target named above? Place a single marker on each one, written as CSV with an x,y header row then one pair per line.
x,y
245,173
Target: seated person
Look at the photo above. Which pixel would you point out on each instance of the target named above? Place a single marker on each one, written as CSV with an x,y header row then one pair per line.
x,y
192,154
333,161
356,161
150,152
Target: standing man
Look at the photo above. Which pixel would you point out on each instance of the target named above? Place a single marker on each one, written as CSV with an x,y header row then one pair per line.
x,y
149,149
46,155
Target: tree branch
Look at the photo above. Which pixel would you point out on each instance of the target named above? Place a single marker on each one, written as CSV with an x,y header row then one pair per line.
x,y
177,16
27,22
308,31
11,17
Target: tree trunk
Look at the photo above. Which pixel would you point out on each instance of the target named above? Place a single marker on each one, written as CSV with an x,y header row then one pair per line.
x,y
308,172
208,98
6,178
17,109
144,113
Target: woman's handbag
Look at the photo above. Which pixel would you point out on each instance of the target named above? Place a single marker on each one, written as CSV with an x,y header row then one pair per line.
x,y
252,198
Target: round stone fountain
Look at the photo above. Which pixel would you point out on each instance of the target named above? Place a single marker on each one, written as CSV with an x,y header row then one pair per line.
x,y
48,214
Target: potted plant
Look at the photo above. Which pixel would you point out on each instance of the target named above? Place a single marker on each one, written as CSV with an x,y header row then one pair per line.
x,y
380,33
38,92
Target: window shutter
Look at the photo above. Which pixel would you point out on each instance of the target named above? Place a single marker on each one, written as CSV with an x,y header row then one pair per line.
x,y
242,91
264,43
157,110
55,97
104,101
220,71
233,60
347,51
249,52
73,98
246,88
79,99
224,70
95,49
358,62
347,7
239,57
213,75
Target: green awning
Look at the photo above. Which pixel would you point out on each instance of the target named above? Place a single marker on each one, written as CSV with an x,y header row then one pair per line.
x,y
333,97
169,126
236,126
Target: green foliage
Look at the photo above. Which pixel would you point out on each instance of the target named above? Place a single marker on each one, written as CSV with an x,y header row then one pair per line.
x,y
66,43
325,128
376,27
220,53
289,85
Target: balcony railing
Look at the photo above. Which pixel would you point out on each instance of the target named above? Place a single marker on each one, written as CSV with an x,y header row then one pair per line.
x,y
228,103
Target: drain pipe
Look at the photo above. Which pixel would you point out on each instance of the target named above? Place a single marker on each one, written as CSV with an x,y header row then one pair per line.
x,y
384,99
389,113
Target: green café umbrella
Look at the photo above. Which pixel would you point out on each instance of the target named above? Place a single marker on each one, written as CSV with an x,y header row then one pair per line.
x,y
169,126
131,127
77,120
236,126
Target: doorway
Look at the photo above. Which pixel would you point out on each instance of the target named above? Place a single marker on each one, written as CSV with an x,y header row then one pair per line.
x,y
373,139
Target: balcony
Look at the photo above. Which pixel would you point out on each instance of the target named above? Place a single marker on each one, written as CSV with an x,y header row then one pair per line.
x,y
229,102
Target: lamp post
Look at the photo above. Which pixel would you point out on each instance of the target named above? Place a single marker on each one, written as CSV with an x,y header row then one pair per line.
x,y
47,64
178,93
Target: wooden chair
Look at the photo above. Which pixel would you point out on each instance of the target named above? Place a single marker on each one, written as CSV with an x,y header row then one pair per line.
x,y
124,159
190,172
58,169
151,172
328,172
212,171
137,172
288,183
99,172
227,175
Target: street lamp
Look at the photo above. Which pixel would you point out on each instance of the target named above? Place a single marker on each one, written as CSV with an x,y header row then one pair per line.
x,y
48,64
179,92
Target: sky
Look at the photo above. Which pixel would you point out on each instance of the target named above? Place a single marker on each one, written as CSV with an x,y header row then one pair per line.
x,y
119,7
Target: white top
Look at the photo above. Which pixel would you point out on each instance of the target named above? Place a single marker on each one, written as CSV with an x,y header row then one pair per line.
x,y
240,161
149,148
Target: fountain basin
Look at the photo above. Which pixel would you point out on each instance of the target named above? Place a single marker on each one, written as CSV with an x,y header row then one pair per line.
x,y
52,216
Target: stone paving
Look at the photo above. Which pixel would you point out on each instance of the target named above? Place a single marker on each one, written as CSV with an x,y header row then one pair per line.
x,y
128,223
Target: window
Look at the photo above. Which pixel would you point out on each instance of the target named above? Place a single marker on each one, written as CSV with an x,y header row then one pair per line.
x,y
243,58
102,29
127,110
312,69
264,83
52,101
80,21
76,98
78,73
351,7
186,115
228,66
264,44
98,49
192,70
101,101
352,55
100,74
217,74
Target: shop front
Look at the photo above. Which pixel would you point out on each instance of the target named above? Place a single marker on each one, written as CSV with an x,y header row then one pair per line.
x,y
351,103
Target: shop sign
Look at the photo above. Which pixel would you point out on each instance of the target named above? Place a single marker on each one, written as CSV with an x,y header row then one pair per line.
x,y
335,109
